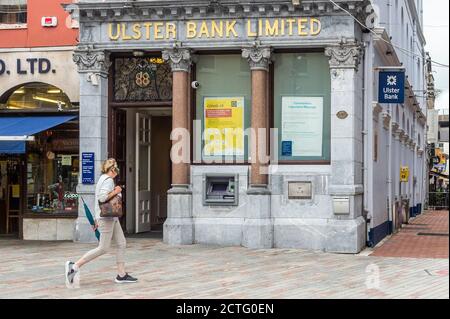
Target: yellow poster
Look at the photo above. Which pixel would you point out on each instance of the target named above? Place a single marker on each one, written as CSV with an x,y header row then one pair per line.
x,y
15,191
224,126
404,174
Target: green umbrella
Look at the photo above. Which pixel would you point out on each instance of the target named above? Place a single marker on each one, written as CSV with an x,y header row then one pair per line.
x,y
90,218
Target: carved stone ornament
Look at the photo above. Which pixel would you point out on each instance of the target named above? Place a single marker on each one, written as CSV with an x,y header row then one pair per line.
x,y
92,60
259,58
179,59
395,127
399,134
376,110
386,120
344,56
342,115
420,152
404,137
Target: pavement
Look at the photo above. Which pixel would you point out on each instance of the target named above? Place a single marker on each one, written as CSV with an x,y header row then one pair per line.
x,y
424,237
35,270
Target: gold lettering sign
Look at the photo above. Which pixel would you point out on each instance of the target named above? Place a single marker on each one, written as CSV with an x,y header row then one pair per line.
x,y
215,29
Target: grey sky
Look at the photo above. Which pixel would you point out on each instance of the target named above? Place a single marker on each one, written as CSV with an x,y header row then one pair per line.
x,y
436,29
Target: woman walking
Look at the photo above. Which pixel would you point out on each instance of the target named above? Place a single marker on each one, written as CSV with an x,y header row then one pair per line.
x,y
109,227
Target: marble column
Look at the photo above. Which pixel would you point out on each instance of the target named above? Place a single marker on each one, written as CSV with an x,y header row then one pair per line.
x,y
93,67
347,228
258,224
179,227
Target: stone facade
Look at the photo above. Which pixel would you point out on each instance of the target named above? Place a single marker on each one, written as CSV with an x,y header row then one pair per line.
x,y
265,216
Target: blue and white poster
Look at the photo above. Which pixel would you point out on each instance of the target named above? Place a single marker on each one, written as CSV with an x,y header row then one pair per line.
x,y
286,148
302,125
391,87
87,168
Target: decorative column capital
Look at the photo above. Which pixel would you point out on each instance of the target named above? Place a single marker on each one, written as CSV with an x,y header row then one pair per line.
x,y
90,60
258,57
345,55
180,59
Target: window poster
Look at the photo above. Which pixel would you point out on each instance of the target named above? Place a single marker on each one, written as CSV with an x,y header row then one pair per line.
x,y
302,125
66,160
224,126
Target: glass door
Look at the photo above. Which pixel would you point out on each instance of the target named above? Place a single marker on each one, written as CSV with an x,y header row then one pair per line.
x,y
143,181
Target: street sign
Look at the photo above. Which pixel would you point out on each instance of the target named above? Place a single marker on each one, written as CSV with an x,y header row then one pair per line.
x,y
391,87
87,168
404,174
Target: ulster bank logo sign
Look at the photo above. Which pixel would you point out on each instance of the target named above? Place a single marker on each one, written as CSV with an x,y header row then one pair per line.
x,y
391,87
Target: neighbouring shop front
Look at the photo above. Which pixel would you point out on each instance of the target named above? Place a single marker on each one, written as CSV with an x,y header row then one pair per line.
x,y
270,96
39,145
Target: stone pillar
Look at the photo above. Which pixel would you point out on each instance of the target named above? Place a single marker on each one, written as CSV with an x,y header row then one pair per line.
x,y
258,224
179,227
347,230
93,67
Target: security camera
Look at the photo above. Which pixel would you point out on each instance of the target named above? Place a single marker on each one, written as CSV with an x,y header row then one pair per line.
x,y
195,84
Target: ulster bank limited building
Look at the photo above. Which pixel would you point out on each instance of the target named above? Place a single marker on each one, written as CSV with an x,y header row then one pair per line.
x,y
234,123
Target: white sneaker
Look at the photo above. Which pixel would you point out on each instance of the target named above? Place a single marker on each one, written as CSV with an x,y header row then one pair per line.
x,y
72,275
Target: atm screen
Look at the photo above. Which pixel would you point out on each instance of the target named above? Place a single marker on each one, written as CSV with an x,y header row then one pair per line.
x,y
219,187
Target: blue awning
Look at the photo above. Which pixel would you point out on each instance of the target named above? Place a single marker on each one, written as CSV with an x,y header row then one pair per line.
x,y
25,126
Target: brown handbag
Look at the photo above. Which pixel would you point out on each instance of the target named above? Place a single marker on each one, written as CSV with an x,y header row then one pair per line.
x,y
112,207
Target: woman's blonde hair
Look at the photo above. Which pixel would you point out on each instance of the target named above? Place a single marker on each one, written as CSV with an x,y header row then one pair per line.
x,y
108,165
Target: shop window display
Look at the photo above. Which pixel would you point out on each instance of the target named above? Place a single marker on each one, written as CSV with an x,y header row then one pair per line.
x,y
52,174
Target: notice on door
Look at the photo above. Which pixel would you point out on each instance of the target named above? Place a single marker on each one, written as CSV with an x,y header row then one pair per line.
x,y
224,126
302,125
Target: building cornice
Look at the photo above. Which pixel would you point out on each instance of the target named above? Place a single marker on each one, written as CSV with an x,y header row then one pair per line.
x,y
178,10
413,10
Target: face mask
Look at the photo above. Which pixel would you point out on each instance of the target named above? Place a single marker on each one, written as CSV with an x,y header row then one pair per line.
x,y
117,170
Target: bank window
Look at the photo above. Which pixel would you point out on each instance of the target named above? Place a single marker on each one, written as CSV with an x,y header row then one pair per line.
x,y
223,104
38,96
302,89
13,13
142,80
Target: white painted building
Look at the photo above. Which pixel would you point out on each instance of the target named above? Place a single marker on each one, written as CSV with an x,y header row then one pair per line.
x,y
401,128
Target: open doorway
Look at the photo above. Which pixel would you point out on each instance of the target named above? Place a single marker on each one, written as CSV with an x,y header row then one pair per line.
x,y
148,173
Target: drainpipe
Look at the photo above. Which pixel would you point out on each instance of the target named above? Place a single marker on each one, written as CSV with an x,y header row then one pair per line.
x,y
414,165
389,17
390,177
368,132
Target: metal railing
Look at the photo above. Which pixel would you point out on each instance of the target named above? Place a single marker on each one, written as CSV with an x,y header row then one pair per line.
x,y
438,200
